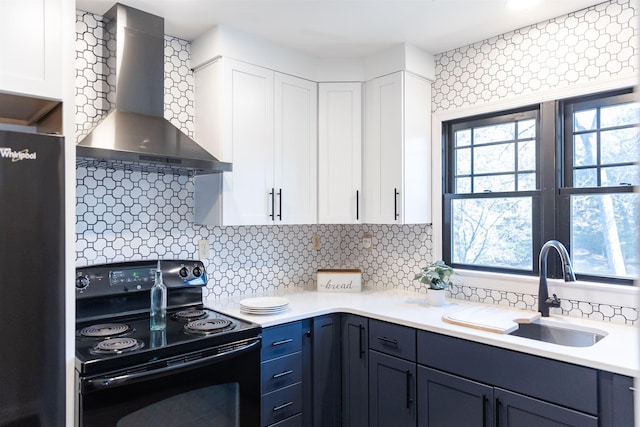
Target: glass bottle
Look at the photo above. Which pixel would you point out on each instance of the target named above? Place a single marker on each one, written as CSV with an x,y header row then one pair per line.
x,y
158,303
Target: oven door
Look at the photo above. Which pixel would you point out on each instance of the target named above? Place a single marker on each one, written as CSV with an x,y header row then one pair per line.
x,y
222,389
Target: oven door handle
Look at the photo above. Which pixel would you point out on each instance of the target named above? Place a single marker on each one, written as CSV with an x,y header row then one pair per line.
x,y
97,384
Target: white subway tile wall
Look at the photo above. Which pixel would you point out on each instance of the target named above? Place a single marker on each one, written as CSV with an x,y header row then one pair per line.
x,y
147,212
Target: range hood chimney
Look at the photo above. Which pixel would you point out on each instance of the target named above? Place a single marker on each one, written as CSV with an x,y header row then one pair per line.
x,y
136,129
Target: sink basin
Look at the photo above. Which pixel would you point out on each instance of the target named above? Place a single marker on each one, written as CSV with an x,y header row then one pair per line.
x,y
561,335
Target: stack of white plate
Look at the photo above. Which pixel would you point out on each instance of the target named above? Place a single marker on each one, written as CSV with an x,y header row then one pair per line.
x,y
264,305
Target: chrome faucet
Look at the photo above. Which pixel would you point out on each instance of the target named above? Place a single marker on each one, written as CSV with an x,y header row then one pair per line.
x,y
544,302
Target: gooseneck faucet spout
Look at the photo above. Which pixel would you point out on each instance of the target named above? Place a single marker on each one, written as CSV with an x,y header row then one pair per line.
x,y
544,302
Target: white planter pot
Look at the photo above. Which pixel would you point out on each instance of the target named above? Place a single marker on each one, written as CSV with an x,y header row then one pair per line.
x,y
436,297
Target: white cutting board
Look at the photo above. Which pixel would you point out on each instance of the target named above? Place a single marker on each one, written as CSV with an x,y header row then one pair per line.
x,y
491,319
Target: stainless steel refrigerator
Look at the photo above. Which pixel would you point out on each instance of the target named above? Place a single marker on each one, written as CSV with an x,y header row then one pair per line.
x,y
32,339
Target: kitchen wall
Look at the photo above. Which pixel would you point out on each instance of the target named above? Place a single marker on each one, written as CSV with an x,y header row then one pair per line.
x,y
124,215
147,213
588,48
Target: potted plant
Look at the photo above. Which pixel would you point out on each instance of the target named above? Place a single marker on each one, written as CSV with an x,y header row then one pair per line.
x,y
438,276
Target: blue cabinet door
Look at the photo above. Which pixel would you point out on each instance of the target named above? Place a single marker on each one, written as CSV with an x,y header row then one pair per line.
x,y
327,372
446,400
392,391
516,410
355,371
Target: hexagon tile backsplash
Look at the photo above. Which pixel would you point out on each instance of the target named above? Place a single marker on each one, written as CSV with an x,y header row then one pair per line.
x,y
147,212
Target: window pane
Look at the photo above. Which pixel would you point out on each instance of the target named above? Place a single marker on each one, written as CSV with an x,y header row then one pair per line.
x,y
527,129
621,175
463,185
463,138
463,161
585,149
527,156
494,183
620,115
494,159
620,146
494,133
604,234
492,232
585,120
526,182
585,178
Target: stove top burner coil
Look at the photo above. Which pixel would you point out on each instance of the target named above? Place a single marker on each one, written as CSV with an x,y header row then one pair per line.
x,y
105,330
117,346
208,326
189,315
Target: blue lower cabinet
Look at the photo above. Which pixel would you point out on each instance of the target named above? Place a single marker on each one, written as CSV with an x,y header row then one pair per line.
x,y
281,404
447,400
281,375
327,373
392,391
295,421
355,371
516,410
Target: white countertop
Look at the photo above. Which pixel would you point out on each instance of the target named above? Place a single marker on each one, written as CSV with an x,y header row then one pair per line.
x,y
618,352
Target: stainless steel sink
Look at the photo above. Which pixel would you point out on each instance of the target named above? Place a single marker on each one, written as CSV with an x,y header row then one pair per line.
x,y
559,335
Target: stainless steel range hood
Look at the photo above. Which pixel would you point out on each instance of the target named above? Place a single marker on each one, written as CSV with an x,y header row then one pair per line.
x,y
136,130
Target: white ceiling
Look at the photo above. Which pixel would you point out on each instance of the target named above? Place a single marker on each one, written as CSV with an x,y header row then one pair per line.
x,y
349,28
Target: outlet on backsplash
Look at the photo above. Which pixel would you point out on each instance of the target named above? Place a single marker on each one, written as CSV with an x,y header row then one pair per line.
x,y
203,249
315,241
367,241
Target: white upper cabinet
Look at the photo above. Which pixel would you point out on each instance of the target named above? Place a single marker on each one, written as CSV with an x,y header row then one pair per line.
x,y
296,150
340,153
396,153
263,123
31,47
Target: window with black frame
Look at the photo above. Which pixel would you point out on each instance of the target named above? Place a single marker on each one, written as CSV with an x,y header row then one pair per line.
x,y
491,190
597,202
564,170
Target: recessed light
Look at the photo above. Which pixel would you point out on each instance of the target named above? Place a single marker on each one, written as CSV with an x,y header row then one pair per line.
x,y
521,4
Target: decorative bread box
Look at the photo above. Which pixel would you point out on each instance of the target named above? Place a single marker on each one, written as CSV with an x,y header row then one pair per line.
x,y
339,280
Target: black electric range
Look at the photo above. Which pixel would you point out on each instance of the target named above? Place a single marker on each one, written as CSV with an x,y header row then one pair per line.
x,y
112,317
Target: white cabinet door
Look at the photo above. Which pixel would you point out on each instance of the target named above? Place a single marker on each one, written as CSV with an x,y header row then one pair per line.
x,y
397,150
340,153
31,47
234,120
265,124
296,147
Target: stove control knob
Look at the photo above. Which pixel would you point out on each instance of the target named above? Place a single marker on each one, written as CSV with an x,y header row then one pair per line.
x,y
184,272
197,271
82,282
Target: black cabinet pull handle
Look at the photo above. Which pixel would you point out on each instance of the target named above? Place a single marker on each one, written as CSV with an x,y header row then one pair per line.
x,y
395,203
308,333
277,343
361,338
280,204
282,374
284,405
357,205
273,204
498,405
390,341
409,400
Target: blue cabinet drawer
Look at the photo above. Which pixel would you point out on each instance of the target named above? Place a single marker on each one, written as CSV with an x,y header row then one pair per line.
x,y
295,421
281,372
392,339
280,340
281,404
